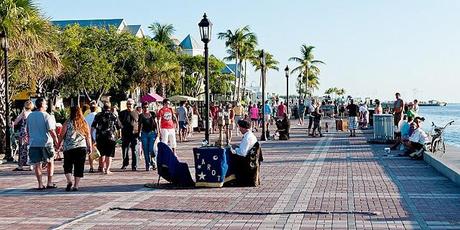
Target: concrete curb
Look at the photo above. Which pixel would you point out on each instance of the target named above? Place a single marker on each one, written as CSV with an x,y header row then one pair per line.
x,y
444,168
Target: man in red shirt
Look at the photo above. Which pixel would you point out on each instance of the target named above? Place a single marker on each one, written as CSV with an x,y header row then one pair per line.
x,y
168,121
281,110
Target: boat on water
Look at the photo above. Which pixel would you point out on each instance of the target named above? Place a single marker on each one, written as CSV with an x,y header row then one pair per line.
x,y
432,103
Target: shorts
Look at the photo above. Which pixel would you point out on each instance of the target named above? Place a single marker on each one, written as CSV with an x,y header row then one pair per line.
x,y
41,154
182,125
267,118
106,147
237,118
352,123
254,119
169,135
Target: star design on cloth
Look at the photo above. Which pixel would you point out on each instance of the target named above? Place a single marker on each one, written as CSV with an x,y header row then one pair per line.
x,y
201,176
198,166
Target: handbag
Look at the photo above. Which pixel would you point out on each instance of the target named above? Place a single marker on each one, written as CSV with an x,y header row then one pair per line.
x,y
95,154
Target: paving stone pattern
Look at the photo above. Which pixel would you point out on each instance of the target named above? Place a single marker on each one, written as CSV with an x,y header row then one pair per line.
x,y
334,182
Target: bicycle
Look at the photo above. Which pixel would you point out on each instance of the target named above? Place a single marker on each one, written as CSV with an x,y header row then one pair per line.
x,y
437,143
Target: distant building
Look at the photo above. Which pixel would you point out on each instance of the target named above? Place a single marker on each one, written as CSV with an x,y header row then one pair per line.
x,y
119,24
191,47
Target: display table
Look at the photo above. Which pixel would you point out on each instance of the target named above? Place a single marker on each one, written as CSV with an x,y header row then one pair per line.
x,y
212,166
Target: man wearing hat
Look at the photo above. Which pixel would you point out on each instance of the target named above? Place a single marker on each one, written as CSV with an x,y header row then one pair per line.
x,y
248,140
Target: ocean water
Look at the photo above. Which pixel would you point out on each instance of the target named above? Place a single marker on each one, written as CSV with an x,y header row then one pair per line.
x,y
441,115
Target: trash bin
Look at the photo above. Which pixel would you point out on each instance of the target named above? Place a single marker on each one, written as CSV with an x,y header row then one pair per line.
x,y
383,127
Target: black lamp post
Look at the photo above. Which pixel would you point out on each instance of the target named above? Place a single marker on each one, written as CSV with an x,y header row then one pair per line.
x,y
287,88
5,46
205,33
262,72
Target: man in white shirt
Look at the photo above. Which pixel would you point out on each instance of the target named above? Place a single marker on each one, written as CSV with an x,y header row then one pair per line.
x,y
248,140
246,168
418,139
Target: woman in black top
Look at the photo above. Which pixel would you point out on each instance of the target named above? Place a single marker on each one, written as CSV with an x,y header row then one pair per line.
x,y
149,132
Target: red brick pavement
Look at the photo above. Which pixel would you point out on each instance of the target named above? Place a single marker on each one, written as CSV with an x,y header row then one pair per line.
x,y
334,182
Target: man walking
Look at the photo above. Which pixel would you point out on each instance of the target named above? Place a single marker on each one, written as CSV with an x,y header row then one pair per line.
x,y
167,120
311,109
129,134
42,139
182,114
352,117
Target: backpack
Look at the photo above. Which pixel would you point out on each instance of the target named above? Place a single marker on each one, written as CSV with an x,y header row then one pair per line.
x,y
106,125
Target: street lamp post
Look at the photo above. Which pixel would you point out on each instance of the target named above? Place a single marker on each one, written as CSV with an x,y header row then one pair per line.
x,y
205,33
262,72
5,46
286,70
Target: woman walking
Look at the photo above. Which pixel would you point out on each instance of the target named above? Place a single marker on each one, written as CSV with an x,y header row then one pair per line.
x,y
77,142
106,124
21,121
149,132
254,113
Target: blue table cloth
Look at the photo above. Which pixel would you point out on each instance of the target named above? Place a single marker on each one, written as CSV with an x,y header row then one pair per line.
x,y
212,166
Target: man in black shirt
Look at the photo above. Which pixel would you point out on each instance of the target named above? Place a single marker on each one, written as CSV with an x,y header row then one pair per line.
x,y
129,134
352,118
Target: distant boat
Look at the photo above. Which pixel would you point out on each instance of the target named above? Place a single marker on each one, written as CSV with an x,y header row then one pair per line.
x,y
432,103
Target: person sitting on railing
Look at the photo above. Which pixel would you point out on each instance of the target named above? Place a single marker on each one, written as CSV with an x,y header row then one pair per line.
x,y
417,140
404,132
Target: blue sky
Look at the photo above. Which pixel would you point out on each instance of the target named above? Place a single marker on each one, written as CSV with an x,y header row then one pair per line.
x,y
371,48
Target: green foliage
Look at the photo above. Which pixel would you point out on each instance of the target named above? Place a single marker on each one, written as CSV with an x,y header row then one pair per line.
x,y
308,67
62,115
194,75
98,60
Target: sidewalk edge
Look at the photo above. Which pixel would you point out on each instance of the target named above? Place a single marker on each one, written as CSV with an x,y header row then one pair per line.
x,y
444,168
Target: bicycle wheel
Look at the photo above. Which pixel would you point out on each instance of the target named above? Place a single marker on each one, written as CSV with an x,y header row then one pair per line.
x,y
434,146
443,147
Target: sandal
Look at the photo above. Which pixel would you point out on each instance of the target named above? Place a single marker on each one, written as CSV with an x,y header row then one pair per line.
x,y
51,186
69,186
42,188
74,189
91,170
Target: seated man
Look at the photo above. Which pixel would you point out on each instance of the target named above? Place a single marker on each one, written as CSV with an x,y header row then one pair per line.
x,y
417,140
245,158
283,127
404,132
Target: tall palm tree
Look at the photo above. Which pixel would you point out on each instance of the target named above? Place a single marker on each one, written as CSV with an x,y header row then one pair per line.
x,y
162,33
32,55
237,41
270,62
308,66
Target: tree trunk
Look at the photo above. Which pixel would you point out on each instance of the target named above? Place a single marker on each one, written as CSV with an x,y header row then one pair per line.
x,y
245,72
235,89
2,114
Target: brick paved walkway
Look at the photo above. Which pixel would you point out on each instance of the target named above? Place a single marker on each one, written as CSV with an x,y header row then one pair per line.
x,y
334,182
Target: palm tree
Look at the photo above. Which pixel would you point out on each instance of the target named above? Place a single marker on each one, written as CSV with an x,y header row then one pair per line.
x,y
162,33
308,67
270,62
32,55
238,41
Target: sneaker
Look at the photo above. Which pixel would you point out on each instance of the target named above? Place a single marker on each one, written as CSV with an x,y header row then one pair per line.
x,y
418,153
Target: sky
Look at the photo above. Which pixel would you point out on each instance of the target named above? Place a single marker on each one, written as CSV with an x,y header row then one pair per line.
x,y
371,48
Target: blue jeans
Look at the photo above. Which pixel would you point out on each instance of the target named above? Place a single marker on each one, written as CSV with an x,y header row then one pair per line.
x,y
148,139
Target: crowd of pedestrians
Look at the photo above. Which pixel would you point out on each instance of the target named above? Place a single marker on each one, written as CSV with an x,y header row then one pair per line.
x,y
94,134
